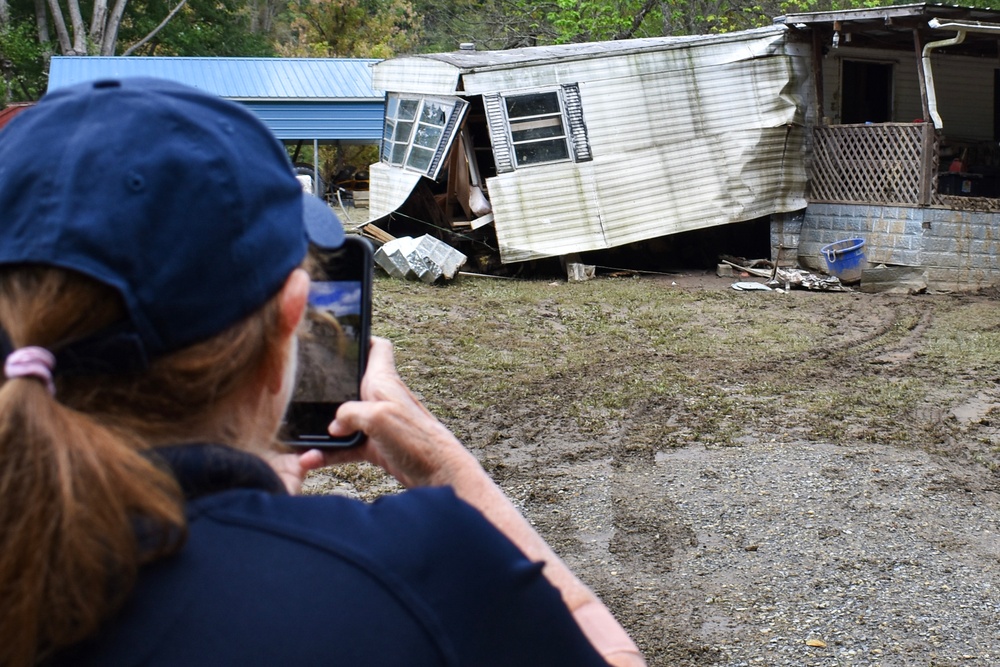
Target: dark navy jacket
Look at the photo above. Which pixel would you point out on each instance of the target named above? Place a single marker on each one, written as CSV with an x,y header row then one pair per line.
x,y
419,578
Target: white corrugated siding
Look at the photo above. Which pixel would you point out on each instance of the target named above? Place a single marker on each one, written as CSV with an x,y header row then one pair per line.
x,y
676,150
416,75
388,188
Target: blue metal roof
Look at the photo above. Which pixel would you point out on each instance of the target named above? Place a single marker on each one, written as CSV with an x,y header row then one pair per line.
x,y
234,78
329,99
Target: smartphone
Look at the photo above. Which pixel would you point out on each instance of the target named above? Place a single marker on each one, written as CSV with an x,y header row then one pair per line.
x,y
333,344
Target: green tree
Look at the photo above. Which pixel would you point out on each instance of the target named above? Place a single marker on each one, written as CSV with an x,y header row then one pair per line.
x,y
504,24
33,30
196,28
350,28
22,62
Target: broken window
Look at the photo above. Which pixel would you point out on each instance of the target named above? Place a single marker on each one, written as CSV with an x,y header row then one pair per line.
x,y
537,128
419,130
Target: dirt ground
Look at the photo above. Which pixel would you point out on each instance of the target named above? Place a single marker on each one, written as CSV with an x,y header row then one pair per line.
x,y
746,478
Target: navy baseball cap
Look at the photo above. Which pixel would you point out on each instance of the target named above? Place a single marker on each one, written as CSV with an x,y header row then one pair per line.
x,y
182,201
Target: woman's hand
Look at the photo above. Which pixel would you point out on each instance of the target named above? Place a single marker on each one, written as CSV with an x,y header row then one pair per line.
x,y
414,447
292,468
402,436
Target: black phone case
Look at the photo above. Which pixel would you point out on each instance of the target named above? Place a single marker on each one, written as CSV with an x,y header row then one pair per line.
x,y
306,422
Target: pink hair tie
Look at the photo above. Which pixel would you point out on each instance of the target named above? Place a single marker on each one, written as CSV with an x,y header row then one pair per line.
x,y
31,362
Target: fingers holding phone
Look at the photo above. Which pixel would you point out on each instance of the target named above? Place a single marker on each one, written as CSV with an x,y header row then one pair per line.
x,y
333,345
404,438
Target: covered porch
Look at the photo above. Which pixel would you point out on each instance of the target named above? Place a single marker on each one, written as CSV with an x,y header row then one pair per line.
x,y
903,138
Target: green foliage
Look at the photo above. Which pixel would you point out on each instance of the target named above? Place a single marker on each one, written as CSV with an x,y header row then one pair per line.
x,y
350,28
23,63
201,28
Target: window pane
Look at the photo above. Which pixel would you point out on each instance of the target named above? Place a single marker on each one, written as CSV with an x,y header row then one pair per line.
x,y
420,158
541,151
408,109
540,128
403,131
387,131
519,106
398,153
434,113
427,136
391,106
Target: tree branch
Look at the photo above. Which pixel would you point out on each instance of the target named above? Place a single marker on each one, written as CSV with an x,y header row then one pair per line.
x,y
636,20
144,40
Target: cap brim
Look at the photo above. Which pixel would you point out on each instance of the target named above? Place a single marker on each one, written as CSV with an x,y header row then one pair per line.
x,y
322,224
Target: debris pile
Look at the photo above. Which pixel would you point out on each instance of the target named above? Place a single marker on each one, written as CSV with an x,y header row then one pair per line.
x,y
786,279
426,259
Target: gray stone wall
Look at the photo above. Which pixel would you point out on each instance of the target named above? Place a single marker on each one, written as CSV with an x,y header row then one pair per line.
x,y
786,230
959,250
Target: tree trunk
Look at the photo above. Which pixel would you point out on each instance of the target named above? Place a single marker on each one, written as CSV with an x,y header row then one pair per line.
x,y
4,13
79,29
111,31
98,22
60,25
42,23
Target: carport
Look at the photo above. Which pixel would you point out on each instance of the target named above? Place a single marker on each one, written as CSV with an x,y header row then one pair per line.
x,y
321,100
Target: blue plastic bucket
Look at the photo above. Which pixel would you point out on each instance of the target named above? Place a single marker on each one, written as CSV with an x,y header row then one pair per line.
x,y
845,259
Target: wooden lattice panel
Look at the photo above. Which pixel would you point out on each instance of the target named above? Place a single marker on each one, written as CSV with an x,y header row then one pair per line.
x,y
868,163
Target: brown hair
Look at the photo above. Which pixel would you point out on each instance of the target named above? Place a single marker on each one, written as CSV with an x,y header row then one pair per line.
x,y
73,479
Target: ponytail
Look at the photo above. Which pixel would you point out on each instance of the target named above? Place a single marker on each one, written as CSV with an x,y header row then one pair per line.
x,y
75,484
70,494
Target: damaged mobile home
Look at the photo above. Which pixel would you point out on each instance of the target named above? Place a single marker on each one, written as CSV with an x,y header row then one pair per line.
x,y
550,151
881,124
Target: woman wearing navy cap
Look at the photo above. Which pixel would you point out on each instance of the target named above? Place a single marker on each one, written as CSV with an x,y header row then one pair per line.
x,y
150,293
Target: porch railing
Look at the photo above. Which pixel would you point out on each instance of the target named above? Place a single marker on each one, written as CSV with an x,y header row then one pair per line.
x,y
887,163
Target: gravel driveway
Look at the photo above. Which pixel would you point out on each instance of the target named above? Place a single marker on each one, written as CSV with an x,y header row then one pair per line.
x,y
746,478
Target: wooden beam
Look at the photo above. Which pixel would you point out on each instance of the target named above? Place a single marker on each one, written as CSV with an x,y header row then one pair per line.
x,y
927,161
817,46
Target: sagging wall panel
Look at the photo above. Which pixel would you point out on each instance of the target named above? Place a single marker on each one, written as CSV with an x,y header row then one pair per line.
x,y
694,148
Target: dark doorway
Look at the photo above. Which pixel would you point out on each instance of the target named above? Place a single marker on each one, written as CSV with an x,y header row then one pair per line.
x,y
866,92
996,105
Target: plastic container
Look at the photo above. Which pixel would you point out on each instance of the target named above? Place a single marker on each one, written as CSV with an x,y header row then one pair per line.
x,y
845,259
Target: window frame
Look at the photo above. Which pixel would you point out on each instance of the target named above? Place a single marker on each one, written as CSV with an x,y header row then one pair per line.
x,y
574,127
538,121
398,151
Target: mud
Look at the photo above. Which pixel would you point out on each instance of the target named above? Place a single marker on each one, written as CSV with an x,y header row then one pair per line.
x,y
721,473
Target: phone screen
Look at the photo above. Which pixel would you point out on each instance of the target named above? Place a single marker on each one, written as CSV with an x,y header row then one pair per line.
x,y
333,344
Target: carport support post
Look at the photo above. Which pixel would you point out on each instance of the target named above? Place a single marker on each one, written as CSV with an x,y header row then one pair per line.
x,y
316,178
